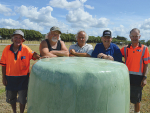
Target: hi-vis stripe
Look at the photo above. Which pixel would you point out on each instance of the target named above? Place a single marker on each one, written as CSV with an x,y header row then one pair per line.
x,y
145,59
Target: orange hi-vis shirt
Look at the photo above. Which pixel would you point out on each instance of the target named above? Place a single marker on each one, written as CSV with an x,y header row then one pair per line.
x,y
16,65
135,58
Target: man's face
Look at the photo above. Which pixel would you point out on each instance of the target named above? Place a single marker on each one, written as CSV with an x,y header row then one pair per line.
x,y
54,35
17,40
81,38
135,36
106,40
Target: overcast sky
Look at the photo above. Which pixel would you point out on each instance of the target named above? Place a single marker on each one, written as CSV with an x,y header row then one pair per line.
x,y
93,16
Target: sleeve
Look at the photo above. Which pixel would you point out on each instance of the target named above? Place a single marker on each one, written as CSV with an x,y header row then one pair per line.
x,y
146,56
95,52
117,55
122,51
71,47
90,50
3,57
30,53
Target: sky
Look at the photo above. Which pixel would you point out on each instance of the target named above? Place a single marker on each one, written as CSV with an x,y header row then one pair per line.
x,y
92,16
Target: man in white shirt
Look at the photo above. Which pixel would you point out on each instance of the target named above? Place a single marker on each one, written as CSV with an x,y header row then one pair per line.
x,y
81,48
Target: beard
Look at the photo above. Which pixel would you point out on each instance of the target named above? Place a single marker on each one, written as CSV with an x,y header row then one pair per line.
x,y
54,39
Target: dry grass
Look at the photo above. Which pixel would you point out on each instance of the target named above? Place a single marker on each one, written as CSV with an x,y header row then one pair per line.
x,y
6,108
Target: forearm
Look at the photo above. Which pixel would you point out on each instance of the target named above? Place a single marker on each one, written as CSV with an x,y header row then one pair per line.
x,y
48,54
81,54
60,53
3,71
145,69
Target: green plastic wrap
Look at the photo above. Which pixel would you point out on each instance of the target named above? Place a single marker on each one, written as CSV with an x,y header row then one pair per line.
x,y
78,85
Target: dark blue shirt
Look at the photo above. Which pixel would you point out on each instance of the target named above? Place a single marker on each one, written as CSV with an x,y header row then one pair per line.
x,y
113,51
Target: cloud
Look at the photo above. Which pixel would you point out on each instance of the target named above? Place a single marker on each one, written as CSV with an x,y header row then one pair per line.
x,y
9,23
76,16
4,10
80,18
145,34
146,24
83,1
32,13
66,5
89,7
29,12
42,16
120,31
25,24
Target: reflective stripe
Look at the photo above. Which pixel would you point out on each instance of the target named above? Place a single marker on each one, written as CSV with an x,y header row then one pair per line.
x,y
135,73
141,61
146,59
125,53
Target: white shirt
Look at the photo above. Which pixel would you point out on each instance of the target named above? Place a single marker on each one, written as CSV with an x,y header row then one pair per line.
x,y
87,48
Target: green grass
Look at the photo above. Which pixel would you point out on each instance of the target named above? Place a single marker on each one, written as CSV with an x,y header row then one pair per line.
x,y
2,90
145,103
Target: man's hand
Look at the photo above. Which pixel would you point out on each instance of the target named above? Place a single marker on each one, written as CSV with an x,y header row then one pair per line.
x,y
144,82
101,55
36,56
104,56
72,51
4,81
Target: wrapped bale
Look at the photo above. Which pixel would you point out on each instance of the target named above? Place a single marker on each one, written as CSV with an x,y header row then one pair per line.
x,y
78,85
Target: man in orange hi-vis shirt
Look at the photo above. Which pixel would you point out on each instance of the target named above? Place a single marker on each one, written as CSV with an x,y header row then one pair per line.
x,y
136,58
15,63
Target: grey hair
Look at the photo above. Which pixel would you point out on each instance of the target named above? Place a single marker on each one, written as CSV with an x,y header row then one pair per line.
x,y
46,36
135,29
86,36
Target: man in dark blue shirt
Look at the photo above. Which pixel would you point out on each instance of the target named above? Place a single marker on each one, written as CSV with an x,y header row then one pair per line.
x,y
106,49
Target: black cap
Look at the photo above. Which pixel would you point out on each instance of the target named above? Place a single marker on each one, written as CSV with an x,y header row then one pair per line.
x,y
107,33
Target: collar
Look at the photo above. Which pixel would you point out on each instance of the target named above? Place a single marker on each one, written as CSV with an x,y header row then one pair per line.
x,y
130,45
108,47
11,48
79,46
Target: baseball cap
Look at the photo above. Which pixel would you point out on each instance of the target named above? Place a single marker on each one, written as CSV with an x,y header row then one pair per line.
x,y
54,28
107,33
18,32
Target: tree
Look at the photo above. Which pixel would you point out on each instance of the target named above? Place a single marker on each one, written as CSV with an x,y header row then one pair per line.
x,y
121,38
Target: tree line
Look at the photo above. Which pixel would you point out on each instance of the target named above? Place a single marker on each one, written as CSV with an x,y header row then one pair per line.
x,y
36,35
28,34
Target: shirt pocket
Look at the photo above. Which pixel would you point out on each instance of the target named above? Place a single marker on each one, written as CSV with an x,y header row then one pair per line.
x,y
24,63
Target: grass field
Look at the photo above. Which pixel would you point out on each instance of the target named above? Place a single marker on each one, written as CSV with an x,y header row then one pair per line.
x,y
6,108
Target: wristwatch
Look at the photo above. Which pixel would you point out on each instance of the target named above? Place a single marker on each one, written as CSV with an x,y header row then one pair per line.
x,y
145,77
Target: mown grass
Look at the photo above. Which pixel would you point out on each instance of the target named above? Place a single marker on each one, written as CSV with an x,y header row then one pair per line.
x,y
5,108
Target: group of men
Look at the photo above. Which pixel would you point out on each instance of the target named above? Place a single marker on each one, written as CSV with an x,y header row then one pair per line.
x,y
16,58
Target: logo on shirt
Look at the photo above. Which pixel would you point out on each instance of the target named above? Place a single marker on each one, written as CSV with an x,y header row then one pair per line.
x,y
138,50
23,57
